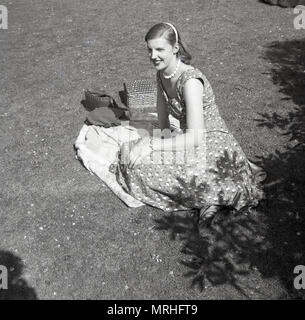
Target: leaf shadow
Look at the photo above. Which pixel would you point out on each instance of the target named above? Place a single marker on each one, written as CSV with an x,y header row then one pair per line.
x,y
230,247
17,287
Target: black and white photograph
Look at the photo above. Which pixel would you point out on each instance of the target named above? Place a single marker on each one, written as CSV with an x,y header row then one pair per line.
x,y
152,151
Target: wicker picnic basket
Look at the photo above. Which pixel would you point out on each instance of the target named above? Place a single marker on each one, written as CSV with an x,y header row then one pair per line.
x,y
141,98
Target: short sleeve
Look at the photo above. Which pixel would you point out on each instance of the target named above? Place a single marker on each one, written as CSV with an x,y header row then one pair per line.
x,y
189,74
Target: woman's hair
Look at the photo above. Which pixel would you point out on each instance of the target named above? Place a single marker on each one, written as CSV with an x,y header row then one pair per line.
x,y
167,31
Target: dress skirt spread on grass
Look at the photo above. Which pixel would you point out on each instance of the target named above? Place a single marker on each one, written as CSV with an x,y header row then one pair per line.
x,y
217,172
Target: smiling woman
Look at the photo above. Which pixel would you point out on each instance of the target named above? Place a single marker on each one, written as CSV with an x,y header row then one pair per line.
x,y
203,168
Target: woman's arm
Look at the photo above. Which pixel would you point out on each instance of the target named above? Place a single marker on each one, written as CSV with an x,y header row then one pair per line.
x,y
193,91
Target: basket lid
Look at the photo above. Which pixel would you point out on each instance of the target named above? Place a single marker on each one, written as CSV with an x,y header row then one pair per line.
x,y
142,86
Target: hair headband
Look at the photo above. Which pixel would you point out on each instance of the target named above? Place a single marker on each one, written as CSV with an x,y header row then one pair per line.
x,y
175,30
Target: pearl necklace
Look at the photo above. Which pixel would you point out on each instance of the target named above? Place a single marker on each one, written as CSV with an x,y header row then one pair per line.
x,y
175,71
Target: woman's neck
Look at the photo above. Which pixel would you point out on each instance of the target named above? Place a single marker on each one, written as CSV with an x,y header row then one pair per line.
x,y
182,68
172,69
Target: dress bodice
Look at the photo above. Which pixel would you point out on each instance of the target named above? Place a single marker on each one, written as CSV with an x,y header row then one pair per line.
x,y
177,106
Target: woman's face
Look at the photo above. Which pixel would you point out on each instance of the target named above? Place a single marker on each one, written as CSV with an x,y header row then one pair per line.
x,y
161,52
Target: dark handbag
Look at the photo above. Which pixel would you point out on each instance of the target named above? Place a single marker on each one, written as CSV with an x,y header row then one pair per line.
x,y
98,99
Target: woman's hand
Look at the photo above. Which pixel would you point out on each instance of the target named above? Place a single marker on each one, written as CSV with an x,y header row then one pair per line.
x,y
139,151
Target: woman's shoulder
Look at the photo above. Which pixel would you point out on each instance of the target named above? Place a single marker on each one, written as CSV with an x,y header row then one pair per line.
x,y
190,73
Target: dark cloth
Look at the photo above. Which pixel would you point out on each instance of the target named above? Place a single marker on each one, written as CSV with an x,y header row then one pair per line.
x,y
105,117
104,109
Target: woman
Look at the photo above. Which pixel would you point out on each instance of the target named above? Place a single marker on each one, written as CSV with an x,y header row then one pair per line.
x,y
202,168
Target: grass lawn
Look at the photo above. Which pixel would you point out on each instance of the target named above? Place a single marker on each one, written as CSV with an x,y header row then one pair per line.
x,y
64,234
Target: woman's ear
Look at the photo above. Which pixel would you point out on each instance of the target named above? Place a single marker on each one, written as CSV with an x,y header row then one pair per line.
x,y
176,48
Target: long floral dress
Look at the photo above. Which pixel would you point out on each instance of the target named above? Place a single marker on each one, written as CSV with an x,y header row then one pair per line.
x,y
216,172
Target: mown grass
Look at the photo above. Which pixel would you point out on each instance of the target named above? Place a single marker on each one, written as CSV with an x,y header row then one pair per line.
x,y
73,236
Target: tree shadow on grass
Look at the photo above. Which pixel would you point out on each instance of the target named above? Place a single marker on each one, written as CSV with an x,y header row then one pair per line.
x,y
17,287
284,3
285,209
231,247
